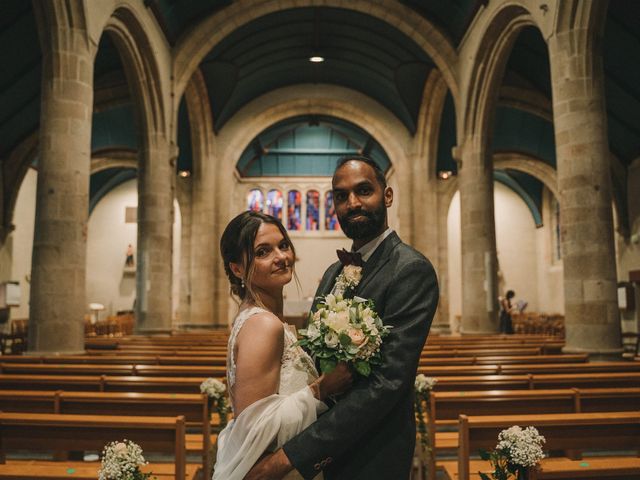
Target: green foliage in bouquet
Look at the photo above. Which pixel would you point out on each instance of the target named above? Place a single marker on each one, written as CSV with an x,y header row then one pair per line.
x,y
345,329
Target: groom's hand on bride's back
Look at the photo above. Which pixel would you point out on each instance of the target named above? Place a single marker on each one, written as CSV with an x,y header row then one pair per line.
x,y
271,466
336,382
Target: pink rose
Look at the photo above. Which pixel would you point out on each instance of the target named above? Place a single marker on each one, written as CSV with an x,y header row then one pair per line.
x,y
356,336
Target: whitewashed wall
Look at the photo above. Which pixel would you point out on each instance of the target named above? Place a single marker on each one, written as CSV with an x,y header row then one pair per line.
x,y
524,255
108,238
17,250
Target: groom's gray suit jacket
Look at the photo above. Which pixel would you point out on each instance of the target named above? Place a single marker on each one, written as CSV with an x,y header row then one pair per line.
x,y
370,432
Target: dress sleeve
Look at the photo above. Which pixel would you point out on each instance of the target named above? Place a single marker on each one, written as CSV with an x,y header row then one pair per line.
x,y
263,426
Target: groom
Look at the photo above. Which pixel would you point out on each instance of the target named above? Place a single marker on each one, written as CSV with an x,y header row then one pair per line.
x,y
370,433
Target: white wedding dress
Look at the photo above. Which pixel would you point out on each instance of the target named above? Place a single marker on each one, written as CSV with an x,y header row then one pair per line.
x,y
268,423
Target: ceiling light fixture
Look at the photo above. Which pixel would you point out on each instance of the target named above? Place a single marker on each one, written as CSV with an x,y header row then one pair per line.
x,y
316,59
184,173
445,174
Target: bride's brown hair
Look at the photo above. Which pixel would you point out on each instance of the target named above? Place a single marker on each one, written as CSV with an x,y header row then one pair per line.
x,y
236,246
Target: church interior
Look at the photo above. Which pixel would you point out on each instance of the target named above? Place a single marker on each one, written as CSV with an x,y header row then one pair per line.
x,y
132,132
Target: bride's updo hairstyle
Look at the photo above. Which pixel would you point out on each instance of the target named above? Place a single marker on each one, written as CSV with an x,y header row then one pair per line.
x,y
236,246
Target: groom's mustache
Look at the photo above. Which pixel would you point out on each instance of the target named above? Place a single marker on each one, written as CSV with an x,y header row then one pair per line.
x,y
358,213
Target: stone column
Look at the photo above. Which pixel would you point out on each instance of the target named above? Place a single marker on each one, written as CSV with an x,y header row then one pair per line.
x,y
579,114
58,291
156,183
204,244
478,238
183,191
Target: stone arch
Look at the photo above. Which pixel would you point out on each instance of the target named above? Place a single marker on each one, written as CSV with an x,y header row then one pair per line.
x,y
190,51
529,165
141,69
515,161
428,131
483,81
12,175
116,158
327,100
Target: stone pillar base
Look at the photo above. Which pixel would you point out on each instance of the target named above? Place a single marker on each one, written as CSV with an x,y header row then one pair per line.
x,y
197,326
153,331
479,332
602,355
41,353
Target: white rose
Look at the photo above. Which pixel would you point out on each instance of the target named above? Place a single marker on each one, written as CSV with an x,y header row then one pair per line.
x,y
369,321
338,321
313,331
331,339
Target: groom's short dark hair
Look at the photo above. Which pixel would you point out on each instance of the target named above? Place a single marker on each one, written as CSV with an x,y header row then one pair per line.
x,y
361,158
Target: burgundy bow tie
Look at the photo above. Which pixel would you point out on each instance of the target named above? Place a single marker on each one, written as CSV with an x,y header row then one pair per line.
x,y
350,258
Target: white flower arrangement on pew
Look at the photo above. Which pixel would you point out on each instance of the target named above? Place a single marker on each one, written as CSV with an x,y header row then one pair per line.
x,y
422,388
517,451
122,461
345,330
215,390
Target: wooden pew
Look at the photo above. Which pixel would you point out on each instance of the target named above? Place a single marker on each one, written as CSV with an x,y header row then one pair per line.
x,y
58,432
612,431
133,361
194,407
219,371
113,370
445,407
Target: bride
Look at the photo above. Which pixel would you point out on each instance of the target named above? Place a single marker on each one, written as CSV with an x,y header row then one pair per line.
x,y
274,387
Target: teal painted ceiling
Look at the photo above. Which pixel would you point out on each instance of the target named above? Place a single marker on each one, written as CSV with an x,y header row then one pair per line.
x,y
362,53
308,145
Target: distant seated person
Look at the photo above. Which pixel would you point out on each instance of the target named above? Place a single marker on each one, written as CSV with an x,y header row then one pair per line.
x,y
506,308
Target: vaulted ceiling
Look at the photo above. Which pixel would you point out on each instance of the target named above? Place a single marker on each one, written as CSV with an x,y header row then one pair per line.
x,y
362,53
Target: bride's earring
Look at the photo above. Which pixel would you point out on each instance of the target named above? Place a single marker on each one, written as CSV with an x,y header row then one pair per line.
x,y
242,283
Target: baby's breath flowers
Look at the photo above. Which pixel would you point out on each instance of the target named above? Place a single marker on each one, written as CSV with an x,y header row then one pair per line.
x,y
518,449
216,390
422,387
122,461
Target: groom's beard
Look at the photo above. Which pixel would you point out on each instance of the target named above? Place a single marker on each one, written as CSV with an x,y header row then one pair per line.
x,y
366,227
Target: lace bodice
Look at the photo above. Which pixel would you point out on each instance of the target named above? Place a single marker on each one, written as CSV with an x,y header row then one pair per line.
x,y
297,369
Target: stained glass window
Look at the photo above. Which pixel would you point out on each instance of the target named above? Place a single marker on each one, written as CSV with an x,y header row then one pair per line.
x,y
275,202
330,217
313,210
255,200
294,207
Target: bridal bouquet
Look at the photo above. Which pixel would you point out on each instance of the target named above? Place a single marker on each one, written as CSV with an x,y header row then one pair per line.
x,y
517,450
122,461
345,329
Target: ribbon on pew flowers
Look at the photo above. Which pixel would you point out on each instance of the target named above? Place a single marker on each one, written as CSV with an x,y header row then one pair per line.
x,y
518,451
122,461
422,389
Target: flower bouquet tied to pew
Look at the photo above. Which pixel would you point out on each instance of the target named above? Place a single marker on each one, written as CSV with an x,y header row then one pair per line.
x,y
518,450
215,391
345,330
122,461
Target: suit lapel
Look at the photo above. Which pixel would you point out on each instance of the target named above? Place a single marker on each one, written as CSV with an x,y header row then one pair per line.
x,y
379,258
